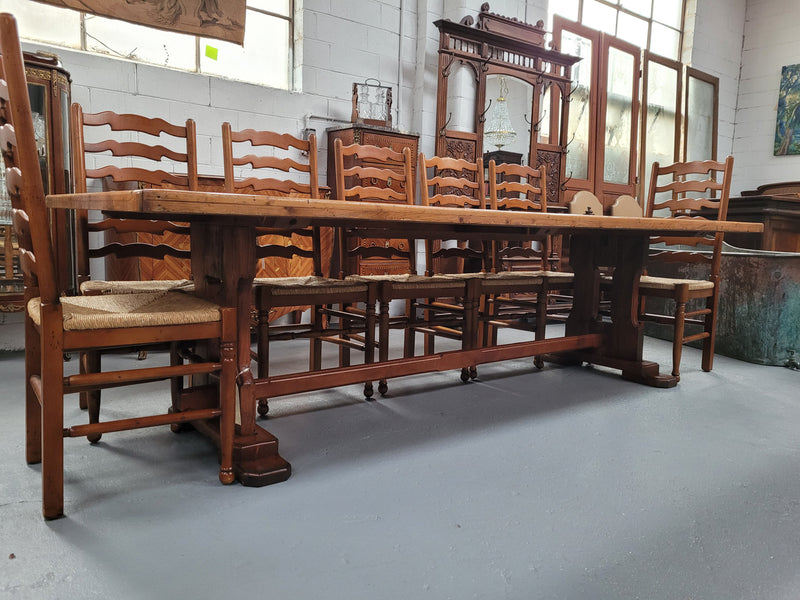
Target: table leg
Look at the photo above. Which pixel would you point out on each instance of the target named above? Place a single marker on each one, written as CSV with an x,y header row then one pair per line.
x,y
223,266
626,253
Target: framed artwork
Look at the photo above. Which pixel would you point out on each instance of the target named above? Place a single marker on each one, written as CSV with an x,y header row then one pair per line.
x,y
208,18
787,127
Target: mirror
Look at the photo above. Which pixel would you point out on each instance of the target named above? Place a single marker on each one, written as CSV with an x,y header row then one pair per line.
x,y
517,96
462,99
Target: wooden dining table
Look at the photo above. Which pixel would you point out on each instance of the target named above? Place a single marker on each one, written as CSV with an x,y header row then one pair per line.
x,y
223,250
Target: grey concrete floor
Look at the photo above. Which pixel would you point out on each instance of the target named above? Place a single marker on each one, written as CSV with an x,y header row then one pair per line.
x,y
564,483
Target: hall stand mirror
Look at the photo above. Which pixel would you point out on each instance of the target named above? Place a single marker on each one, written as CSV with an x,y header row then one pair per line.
x,y
49,91
500,65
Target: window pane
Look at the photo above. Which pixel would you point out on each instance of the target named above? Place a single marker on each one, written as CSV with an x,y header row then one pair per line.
x,y
619,117
659,127
668,12
579,106
700,120
136,42
633,30
44,23
664,41
641,7
599,16
280,7
263,60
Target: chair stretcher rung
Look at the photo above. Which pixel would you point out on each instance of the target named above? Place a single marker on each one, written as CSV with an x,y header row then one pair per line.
x,y
695,337
92,381
139,422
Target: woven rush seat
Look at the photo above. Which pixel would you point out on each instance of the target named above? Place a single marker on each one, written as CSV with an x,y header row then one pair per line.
x,y
667,283
148,309
290,285
411,280
101,286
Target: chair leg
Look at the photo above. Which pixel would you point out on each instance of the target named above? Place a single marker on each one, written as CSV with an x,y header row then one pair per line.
x,y
344,349
429,341
711,329
469,328
262,350
262,340
83,397
409,341
541,323
52,424
369,344
90,363
315,346
681,297
383,340
33,408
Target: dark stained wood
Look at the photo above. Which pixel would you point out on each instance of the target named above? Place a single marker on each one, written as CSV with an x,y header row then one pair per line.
x,y
777,206
497,45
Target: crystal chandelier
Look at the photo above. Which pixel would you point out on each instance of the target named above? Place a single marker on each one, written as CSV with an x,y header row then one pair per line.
x,y
498,129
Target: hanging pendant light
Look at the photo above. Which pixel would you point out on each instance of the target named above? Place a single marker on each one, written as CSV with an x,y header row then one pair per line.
x,y
498,130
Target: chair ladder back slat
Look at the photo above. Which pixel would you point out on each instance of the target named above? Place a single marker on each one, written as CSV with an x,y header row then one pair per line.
x,y
524,188
281,152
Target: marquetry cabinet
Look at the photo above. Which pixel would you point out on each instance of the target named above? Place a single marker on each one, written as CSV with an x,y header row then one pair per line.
x,y
383,137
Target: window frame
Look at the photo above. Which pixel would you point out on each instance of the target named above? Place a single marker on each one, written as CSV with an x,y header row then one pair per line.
x,y
78,40
616,6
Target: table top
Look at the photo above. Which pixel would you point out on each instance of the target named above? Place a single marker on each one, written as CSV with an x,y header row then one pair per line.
x,y
415,221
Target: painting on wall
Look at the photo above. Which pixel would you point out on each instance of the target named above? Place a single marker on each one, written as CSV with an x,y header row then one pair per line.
x,y
208,18
787,128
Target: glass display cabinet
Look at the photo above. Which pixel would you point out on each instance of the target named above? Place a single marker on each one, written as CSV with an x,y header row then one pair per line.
x,y
49,91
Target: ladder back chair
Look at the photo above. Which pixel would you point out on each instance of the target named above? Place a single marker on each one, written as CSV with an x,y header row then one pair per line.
x,y
689,190
283,165
124,151
447,311
516,295
56,324
365,173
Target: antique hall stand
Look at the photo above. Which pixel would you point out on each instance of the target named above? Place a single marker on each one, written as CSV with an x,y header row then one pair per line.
x,y
496,47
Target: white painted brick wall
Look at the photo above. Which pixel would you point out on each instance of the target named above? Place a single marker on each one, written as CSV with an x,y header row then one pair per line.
x,y
714,37
770,42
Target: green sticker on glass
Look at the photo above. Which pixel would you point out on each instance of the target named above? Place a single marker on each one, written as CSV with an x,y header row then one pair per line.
x,y
211,52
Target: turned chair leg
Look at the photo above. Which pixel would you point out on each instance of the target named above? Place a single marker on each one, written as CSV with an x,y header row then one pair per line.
x,y
541,323
369,345
681,298
262,352
383,341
